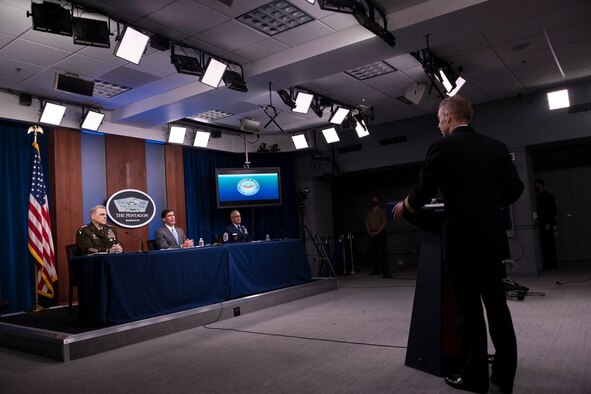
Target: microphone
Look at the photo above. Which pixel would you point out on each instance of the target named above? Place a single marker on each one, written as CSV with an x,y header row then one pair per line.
x,y
278,230
136,237
216,237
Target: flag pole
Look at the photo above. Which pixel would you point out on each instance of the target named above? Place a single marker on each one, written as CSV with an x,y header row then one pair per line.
x,y
38,308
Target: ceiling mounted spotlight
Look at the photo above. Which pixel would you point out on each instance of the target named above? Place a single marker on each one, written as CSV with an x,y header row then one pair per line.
x,y
51,18
176,135
186,64
92,120
439,72
235,81
330,135
299,141
214,71
52,114
303,101
316,107
558,99
91,32
286,98
131,45
201,139
339,115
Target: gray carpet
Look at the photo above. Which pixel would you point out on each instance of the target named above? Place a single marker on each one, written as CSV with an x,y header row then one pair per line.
x,y
352,340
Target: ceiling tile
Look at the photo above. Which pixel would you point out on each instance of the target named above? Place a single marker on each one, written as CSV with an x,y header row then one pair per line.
x,y
84,66
303,33
31,52
20,70
201,18
13,20
231,35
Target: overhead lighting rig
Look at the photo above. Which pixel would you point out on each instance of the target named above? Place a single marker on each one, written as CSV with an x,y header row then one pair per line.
x,y
440,73
367,14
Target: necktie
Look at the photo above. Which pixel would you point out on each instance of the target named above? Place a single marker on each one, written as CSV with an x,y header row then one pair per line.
x,y
176,236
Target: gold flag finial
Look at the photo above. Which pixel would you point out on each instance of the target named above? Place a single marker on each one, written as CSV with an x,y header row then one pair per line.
x,y
35,129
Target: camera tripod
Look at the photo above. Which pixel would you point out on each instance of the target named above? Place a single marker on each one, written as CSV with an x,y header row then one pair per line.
x,y
321,255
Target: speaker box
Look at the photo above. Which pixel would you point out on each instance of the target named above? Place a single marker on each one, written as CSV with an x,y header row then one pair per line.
x,y
25,99
71,84
420,95
250,125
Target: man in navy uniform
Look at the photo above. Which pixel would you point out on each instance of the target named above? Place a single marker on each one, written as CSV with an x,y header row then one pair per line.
x,y
97,236
477,178
235,232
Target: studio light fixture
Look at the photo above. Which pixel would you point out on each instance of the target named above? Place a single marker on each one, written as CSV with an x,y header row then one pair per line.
x,y
176,135
367,14
91,32
316,107
235,81
361,129
286,98
459,83
214,70
186,64
52,114
311,1
299,141
131,45
303,101
439,72
558,99
51,18
201,139
339,115
330,135
92,120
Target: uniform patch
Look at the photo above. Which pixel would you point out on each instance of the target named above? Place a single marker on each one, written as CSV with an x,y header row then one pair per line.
x,y
225,237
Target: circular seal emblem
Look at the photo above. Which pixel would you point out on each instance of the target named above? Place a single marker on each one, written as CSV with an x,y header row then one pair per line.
x,y
248,186
131,208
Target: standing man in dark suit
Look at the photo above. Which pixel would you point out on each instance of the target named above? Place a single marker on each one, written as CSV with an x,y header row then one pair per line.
x,y
477,177
235,232
170,236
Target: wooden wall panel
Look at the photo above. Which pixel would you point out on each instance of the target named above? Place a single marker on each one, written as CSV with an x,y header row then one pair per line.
x,y
65,158
126,169
175,183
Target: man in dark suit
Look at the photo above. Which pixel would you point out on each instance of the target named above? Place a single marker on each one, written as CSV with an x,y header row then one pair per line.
x,y
476,177
170,236
235,232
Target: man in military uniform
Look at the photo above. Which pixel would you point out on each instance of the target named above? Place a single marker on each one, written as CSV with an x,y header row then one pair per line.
x,y
97,236
235,232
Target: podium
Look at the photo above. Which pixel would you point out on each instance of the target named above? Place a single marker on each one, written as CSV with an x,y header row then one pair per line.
x,y
433,340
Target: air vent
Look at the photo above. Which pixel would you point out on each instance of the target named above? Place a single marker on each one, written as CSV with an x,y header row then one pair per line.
x,y
404,100
350,148
393,140
579,108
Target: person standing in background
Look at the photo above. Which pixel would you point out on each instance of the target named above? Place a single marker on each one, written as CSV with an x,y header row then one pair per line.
x,y
546,211
375,225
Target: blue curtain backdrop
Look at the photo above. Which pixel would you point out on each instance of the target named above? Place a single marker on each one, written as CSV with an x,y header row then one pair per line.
x,y
16,263
204,219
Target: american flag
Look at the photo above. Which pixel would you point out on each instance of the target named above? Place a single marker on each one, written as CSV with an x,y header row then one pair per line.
x,y
40,239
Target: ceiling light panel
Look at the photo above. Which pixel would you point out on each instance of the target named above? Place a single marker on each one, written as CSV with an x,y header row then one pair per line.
x,y
212,114
303,101
275,17
299,141
371,71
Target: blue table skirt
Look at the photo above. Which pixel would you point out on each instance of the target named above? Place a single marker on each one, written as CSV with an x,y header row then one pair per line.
x,y
119,288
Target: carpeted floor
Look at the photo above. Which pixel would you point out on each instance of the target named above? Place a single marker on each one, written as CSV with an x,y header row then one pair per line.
x,y
352,340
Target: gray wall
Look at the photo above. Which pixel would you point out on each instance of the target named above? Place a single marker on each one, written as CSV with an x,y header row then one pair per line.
x,y
521,123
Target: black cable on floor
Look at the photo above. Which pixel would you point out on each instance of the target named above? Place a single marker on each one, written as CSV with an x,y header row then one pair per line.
x,y
306,338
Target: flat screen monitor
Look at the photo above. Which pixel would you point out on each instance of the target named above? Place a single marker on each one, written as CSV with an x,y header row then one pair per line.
x,y
248,187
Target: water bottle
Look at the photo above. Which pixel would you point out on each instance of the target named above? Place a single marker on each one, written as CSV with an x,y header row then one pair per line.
x,y
267,238
201,243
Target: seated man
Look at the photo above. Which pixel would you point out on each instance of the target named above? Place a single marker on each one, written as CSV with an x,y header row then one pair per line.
x,y
169,236
97,236
235,232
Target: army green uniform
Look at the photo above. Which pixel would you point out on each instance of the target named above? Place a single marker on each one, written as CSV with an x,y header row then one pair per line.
x,y
90,239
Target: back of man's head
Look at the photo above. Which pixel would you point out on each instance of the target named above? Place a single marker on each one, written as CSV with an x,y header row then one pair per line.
x,y
459,107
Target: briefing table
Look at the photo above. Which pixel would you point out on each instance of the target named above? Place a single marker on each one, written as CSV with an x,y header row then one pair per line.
x,y
119,288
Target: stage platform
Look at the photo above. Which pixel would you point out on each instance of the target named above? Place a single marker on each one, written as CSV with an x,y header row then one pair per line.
x,y
57,334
